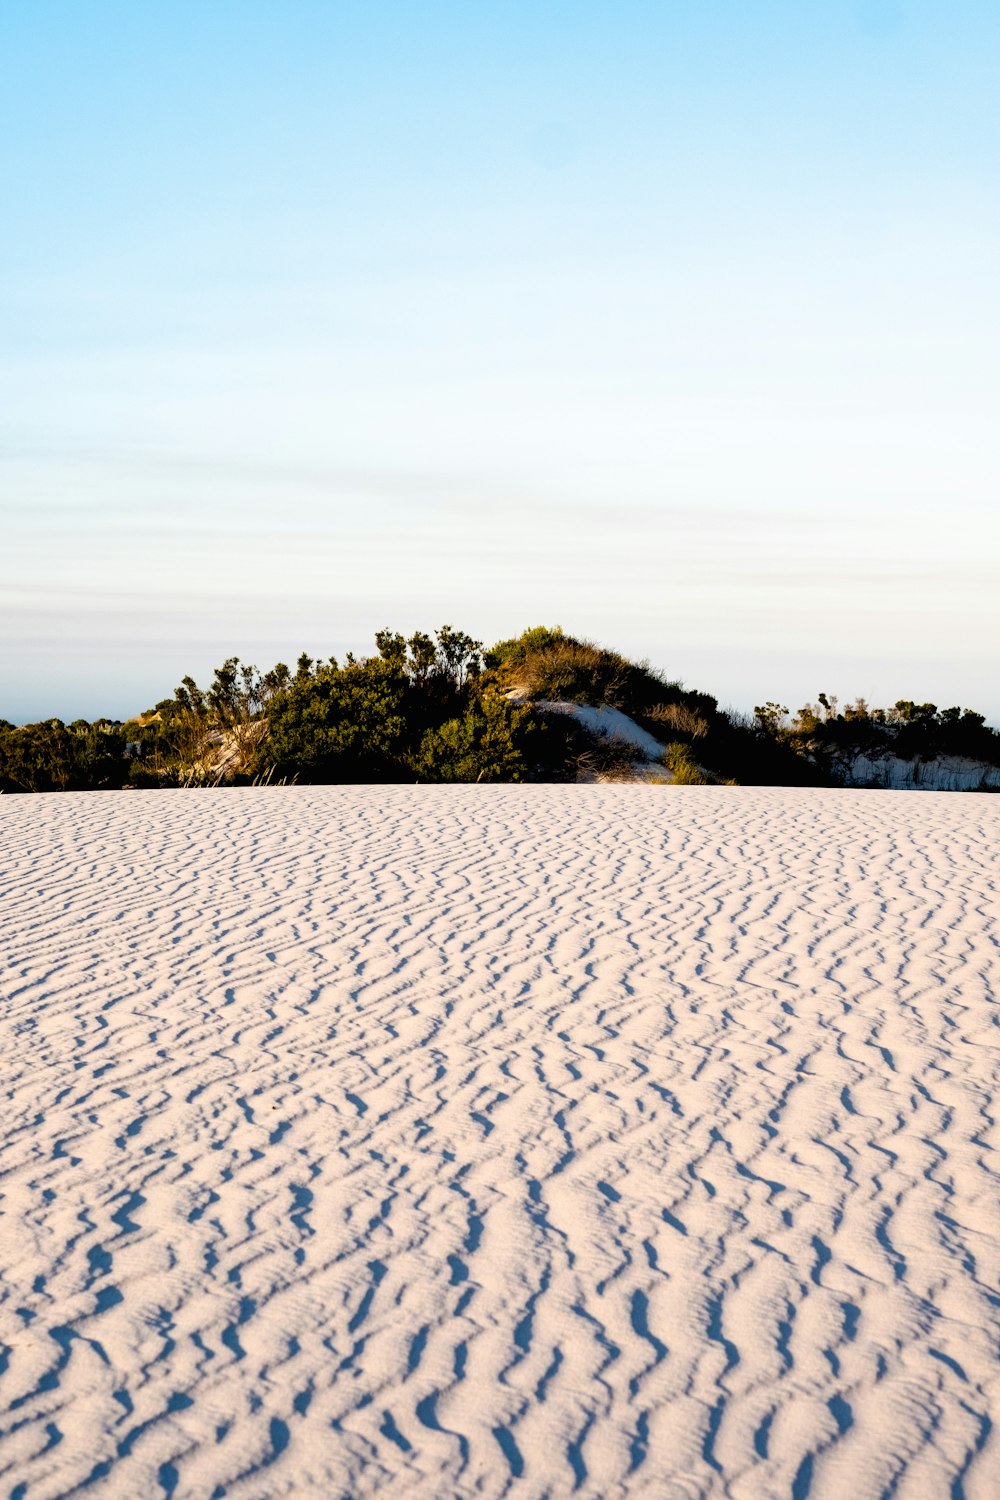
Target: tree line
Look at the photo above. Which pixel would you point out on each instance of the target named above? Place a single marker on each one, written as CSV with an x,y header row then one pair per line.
x,y
826,734
440,707
421,708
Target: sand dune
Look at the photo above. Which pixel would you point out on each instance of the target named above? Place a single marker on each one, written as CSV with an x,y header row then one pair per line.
x,y
432,1142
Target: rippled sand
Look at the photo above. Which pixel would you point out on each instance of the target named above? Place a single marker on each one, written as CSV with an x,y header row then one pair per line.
x,y
464,1141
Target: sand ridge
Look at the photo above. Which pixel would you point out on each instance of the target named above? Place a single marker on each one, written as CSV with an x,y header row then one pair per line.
x,y
540,1141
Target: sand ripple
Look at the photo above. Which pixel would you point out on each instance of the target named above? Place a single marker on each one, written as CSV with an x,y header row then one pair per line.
x,y
483,1141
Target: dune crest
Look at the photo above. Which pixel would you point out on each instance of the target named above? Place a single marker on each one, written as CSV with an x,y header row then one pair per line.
x,y
608,1141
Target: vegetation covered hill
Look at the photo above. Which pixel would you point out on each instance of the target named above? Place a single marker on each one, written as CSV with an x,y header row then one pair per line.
x,y
441,708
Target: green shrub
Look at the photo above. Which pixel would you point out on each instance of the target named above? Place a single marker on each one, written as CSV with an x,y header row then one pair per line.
x,y
54,757
507,656
680,719
683,767
348,724
488,743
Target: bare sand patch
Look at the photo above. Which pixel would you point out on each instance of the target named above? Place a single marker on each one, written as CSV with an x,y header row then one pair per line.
x,y
605,1140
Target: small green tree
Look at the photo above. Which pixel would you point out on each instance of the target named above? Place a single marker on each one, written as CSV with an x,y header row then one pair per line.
x,y
459,657
422,658
236,703
770,717
391,646
184,740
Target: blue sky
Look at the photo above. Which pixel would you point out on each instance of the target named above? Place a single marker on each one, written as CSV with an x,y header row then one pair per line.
x,y
676,324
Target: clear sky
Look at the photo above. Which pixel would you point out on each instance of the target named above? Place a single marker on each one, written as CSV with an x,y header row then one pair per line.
x,y
675,323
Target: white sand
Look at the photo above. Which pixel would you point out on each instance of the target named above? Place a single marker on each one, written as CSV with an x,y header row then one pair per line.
x,y
607,723
470,1141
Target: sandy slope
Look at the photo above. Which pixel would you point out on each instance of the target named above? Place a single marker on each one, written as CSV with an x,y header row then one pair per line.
x,y
430,1142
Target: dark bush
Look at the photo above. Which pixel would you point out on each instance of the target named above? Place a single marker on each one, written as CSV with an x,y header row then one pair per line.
x,y
347,724
492,741
54,757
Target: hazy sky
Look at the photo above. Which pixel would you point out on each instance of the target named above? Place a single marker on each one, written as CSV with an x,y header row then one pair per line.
x,y
677,324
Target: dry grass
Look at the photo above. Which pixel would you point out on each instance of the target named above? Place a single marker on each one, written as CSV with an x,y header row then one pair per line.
x,y
680,719
604,760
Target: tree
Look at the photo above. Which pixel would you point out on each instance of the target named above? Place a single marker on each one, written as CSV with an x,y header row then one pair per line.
x,y
236,700
422,659
459,657
391,647
452,659
184,740
770,717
